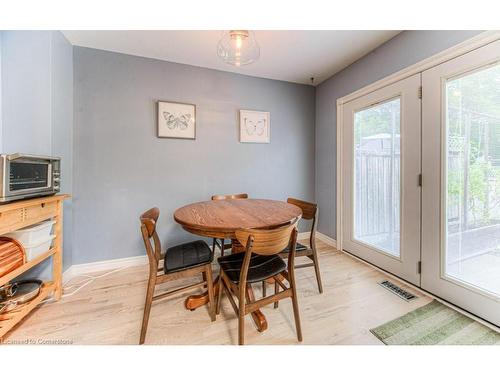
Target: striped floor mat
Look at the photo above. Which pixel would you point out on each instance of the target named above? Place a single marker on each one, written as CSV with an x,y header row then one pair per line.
x,y
435,324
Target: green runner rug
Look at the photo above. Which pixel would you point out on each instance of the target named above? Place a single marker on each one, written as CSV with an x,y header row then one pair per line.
x,y
435,324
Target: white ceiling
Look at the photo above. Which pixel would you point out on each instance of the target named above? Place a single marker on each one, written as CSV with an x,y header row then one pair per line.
x,y
293,56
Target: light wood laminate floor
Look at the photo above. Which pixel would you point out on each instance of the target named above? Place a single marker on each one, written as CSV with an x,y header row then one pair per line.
x,y
109,310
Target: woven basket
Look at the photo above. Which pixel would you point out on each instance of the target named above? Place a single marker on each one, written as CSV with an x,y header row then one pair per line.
x,y
12,255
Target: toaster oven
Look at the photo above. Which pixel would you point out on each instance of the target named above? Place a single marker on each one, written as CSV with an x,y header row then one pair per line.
x,y
25,176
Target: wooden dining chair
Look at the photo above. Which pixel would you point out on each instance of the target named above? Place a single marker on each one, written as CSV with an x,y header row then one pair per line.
x,y
259,261
219,242
309,212
184,260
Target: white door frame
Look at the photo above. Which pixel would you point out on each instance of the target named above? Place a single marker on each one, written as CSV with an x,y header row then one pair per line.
x,y
405,263
435,275
471,44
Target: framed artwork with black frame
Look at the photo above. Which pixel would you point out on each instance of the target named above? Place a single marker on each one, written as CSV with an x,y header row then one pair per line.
x,y
176,120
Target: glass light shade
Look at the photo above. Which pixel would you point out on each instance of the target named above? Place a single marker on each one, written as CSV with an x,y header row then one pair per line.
x,y
238,47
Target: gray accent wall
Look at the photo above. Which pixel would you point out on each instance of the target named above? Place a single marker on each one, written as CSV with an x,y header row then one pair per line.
x,y
1,115
405,49
62,130
26,92
36,79
114,165
121,168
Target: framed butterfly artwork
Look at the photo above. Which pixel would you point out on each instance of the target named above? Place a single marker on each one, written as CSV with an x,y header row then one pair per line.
x,y
176,120
255,127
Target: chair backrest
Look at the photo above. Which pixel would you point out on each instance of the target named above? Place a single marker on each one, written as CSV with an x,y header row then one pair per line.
x,y
148,229
231,196
266,241
309,212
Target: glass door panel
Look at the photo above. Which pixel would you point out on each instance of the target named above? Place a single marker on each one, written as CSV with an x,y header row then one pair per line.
x,y
472,251
381,133
377,162
461,181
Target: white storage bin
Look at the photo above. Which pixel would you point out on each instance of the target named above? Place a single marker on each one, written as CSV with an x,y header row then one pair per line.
x,y
36,249
34,234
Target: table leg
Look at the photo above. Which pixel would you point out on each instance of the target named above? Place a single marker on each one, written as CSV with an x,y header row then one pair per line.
x,y
195,301
257,316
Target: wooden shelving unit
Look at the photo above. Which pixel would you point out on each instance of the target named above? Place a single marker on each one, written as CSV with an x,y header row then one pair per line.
x,y
10,319
21,214
26,266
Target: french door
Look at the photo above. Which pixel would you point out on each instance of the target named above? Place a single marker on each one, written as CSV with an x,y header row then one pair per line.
x,y
381,167
421,180
461,181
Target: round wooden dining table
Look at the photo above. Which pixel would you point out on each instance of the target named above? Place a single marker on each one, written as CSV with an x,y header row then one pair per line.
x,y
221,219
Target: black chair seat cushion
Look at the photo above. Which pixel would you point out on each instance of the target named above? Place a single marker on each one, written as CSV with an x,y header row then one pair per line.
x,y
187,255
261,267
298,247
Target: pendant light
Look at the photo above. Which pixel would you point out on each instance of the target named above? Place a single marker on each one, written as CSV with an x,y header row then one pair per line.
x,y
238,47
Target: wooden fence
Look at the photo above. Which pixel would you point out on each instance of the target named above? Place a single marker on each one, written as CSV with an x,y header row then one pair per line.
x,y
377,185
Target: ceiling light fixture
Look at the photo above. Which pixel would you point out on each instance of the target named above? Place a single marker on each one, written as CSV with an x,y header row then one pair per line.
x,y
238,47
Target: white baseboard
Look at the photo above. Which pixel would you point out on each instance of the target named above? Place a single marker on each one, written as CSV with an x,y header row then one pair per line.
x,y
328,240
106,265
68,275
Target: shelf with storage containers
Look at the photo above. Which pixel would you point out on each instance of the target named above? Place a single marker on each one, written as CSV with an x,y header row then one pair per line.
x,y
31,222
